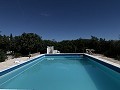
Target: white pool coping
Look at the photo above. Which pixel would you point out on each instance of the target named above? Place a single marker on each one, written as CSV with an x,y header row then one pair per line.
x,y
104,60
22,62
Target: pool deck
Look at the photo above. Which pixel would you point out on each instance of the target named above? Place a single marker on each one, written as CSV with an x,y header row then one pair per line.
x,y
108,60
12,62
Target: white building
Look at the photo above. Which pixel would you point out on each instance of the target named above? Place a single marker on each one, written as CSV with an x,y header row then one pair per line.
x,y
50,50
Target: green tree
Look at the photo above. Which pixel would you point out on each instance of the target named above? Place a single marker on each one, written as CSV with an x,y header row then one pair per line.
x,y
30,43
3,56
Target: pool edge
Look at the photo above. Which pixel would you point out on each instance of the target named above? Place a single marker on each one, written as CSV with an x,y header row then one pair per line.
x,y
109,64
7,70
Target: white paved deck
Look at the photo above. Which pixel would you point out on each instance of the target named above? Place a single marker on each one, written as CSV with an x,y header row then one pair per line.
x,y
12,62
106,59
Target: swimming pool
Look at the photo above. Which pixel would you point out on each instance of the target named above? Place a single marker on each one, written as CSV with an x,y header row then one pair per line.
x,y
62,72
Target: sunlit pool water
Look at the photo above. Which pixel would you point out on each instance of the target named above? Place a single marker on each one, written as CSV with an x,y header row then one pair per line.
x,y
67,72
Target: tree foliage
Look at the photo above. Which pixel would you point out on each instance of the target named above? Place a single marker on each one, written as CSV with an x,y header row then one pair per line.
x,y
2,56
32,43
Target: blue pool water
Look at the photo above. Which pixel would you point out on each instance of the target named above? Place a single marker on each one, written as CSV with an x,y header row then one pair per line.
x,y
68,72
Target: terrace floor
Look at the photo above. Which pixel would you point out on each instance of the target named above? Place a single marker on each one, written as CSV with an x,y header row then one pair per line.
x,y
107,58
11,62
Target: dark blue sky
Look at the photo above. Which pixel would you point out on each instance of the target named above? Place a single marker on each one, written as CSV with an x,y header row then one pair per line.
x,y
61,19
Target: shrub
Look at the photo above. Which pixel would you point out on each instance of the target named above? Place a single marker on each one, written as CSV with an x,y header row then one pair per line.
x,y
118,57
16,55
3,56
